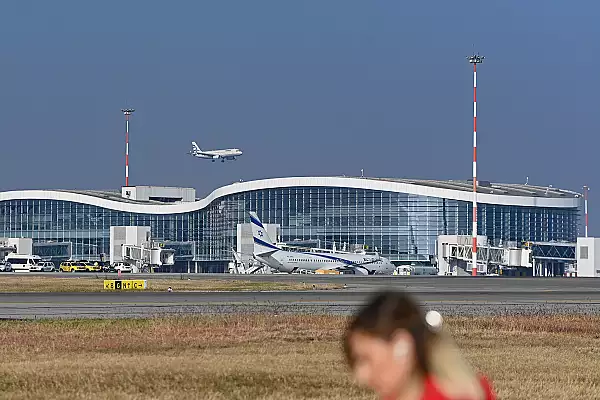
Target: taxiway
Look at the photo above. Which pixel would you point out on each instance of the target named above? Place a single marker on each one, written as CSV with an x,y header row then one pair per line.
x,y
452,296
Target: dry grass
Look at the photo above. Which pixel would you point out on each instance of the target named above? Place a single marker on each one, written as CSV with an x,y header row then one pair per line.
x,y
95,283
273,357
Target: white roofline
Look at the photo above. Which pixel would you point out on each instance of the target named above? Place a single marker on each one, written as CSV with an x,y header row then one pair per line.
x,y
342,182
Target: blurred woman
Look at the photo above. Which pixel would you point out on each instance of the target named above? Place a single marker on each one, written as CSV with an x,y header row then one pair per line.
x,y
400,352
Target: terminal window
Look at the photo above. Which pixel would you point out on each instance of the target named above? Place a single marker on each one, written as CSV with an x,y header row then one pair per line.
x,y
583,252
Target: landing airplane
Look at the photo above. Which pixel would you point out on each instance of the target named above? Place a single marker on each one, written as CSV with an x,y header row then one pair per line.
x,y
214,155
290,261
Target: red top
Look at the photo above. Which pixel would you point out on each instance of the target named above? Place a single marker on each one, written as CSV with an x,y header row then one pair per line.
x,y
431,391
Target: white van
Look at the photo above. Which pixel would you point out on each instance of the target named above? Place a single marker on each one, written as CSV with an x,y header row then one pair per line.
x,y
20,263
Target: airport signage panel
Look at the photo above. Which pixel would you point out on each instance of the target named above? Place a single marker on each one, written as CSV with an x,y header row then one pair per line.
x,y
127,284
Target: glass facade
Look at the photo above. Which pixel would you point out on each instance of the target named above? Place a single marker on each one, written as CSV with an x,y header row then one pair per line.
x,y
399,225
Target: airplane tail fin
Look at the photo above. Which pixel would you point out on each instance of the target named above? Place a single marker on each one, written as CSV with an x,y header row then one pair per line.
x,y
195,147
262,241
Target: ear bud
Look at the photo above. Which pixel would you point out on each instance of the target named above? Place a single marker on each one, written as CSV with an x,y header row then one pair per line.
x,y
434,320
400,350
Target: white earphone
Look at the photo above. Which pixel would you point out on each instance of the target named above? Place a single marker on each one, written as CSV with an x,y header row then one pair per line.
x,y
434,320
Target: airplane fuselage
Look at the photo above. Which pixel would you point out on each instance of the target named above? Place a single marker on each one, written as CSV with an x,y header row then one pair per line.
x,y
224,154
286,261
219,154
289,261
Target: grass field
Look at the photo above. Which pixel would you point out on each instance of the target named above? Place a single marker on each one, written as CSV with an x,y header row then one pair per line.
x,y
274,357
94,283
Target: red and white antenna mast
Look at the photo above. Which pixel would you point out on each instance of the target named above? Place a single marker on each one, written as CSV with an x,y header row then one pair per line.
x,y
475,59
585,202
127,112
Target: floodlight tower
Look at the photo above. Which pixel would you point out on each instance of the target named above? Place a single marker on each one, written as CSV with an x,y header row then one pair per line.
x,y
585,202
127,112
475,59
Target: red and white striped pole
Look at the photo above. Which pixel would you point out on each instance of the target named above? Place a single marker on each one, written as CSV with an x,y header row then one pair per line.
x,y
475,59
127,112
585,202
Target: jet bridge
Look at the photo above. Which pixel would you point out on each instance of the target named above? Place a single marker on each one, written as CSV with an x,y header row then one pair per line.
x,y
134,246
455,255
143,258
552,258
15,245
455,252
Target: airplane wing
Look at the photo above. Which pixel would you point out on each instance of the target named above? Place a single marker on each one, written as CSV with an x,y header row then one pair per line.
x,y
333,268
361,267
346,268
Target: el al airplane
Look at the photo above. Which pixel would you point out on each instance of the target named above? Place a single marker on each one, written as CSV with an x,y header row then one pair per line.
x,y
290,261
226,154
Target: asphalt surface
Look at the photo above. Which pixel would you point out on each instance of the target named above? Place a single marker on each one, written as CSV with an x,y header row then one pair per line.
x,y
449,295
373,280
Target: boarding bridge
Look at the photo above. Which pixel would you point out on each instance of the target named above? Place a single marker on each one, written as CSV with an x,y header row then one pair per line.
x,y
552,258
144,258
455,255
15,245
6,249
133,245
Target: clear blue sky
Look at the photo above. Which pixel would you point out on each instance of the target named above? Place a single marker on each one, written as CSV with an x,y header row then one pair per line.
x,y
303,87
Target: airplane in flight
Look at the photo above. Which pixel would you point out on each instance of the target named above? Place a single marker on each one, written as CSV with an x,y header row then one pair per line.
x,y
214,155
290,261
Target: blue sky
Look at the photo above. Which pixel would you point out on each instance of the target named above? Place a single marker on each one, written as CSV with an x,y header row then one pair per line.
x,y
305,87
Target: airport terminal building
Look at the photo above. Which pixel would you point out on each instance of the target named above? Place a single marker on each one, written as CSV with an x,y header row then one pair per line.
x,y
400,218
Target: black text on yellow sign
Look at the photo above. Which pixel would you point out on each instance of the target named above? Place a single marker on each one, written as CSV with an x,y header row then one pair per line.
x,y
128,284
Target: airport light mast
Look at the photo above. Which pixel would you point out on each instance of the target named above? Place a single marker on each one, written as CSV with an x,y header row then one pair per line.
x,y
475,59
585,202
127,112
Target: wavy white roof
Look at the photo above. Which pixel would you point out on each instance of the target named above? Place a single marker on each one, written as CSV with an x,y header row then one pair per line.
x,y
505,194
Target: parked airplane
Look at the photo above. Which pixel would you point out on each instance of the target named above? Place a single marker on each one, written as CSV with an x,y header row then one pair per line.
x,y
226,154
290,261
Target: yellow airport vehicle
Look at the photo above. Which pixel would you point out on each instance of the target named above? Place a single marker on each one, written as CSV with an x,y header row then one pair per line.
x,y
327,272
92,267
126,284
72,266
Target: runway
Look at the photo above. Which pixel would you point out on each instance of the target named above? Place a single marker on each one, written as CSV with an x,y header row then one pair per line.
x,y
449,295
